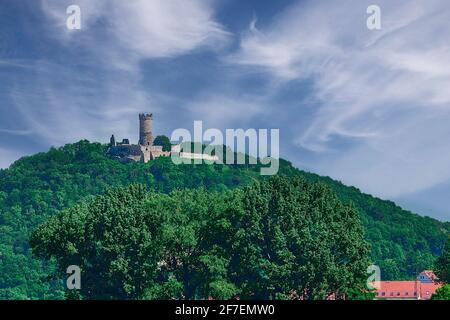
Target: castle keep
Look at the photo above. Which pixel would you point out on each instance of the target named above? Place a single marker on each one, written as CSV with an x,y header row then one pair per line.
x,y
144,151
145,129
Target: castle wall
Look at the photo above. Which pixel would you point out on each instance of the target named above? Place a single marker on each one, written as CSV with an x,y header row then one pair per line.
x,y
146,151
152,152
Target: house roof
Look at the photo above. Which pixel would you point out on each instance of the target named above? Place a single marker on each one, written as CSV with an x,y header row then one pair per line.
x,y
398,289
406,290
429,273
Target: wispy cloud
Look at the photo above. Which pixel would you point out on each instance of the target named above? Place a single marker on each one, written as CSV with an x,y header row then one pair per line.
x,y
385,90
16,131
126,32
93,88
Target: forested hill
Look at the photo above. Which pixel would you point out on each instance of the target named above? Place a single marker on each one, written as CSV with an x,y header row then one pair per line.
x,y
37,187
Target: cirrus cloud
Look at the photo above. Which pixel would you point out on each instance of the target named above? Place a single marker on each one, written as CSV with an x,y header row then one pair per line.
x,y
384,92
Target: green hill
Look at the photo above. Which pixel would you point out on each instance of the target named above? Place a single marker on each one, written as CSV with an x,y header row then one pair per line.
x,y
37,187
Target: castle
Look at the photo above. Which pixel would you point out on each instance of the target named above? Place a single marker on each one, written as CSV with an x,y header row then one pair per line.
x,y
144,151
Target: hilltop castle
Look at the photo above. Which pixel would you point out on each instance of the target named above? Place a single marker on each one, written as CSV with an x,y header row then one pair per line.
x,y
144,151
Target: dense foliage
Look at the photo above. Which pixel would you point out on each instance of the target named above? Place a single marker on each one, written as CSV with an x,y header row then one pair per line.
x,y
442,265
164,142
281,238
403,243
37,187
442,271
442,293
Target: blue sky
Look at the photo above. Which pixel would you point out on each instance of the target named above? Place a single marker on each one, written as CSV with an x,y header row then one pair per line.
x,y
369,108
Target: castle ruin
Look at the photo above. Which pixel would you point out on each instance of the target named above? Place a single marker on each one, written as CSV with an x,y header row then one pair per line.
x,y
144,151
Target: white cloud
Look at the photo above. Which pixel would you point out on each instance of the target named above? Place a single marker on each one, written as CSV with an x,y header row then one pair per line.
x,y
129,31
385,91
166,28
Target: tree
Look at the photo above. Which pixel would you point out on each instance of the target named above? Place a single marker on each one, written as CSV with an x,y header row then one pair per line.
x,y
35,188
442,265
163,141
361,294
294,238
442,293
442,271
276,239
114,239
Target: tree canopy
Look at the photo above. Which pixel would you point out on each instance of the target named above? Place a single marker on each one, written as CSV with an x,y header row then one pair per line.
x,y
442,265
37,187
276,239
442,293
163,141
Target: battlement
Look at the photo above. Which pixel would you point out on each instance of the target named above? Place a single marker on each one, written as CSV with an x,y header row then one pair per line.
x,y
145,129
145,116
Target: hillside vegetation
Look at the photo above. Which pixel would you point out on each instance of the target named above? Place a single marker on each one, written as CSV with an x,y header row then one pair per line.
x,y
271,240
36,188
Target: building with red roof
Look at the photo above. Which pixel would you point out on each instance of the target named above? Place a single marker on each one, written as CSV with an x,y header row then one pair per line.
x,y
420,289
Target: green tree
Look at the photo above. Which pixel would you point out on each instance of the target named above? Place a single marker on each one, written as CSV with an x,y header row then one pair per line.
x,y
276,239
163,141
35,188
114,240
293,238
442,265
442,293
361,294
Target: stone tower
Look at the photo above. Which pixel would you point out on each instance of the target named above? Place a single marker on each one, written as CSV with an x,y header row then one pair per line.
x,y
145,129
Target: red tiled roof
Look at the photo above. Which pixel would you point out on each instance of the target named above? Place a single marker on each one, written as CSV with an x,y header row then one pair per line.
x,y
427,290
406,290
398,289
